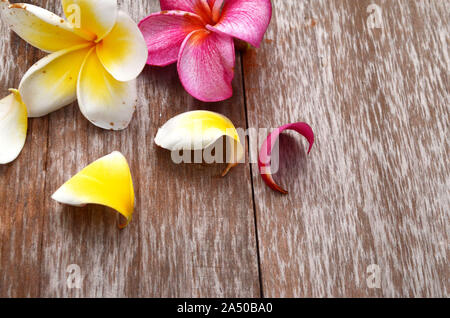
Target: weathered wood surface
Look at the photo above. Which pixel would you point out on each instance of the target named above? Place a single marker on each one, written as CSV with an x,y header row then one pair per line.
x,y
192,233
373,191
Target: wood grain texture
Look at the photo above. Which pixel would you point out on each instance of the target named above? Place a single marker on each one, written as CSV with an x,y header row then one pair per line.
x,y
22,184
192,233
375,188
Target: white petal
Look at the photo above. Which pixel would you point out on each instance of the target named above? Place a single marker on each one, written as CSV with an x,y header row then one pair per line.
x,y
123,52
41,28
96,16
4,4
13,127
106,181
197,130
51,83
103,100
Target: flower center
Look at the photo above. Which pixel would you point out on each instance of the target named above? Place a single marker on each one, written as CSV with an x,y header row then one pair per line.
x,y
216,10
204,11
210,14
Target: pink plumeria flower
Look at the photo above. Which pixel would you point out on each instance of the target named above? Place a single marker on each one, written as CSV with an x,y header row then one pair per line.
x,y
198,34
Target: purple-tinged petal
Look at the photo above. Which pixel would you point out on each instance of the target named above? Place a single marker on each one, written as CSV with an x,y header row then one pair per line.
x,y
200,7
206,65
264,160
164,32
245,19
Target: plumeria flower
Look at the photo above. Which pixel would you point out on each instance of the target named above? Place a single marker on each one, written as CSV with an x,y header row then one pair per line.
x,y
94,59
198,34
199,130
106,181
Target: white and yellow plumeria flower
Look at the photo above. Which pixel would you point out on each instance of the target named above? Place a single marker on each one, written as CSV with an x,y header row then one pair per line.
x,y
95,59
13,127
198,130
106,181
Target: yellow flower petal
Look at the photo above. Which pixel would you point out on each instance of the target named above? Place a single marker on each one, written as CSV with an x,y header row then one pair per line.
x,y
13,127
199,130
103,100
41,28
51,83
123,52
106,181
96,16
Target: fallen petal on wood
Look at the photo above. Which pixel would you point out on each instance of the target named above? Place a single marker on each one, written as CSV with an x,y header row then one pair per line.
x,y
264,160
198,130
106,181
13,126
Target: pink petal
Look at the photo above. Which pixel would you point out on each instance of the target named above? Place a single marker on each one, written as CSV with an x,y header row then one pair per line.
x,y
264,159
164,32
200,7
206,65
216,8
245,19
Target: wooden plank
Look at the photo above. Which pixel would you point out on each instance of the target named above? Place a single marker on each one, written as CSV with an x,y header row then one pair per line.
x,y
375,188
22,183
192,233
198,236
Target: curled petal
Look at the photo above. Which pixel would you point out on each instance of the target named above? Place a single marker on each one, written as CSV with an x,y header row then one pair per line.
x,y
51,83
123,51
106,181
103,100
13,127
246,20
95,16
198,130
41,28
206,65
264,160
200,7
164,32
